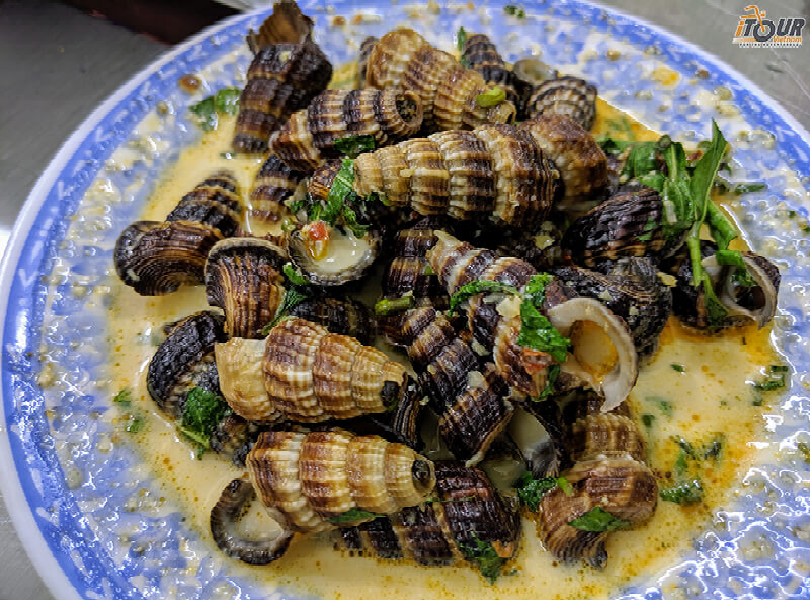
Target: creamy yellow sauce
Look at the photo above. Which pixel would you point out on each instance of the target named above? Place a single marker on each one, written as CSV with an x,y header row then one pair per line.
x,y
711,394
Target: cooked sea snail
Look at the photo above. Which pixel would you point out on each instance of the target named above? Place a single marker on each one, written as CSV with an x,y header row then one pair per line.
x,y
313,482
629,224
275,183
570,96
243,278
610,475
467,513
494,172
304,373
282,79
402,59
339,314
311,478
480,54
185,360
312,135
156,258
527,74
575,153
630,289
409,282
285,25
466,393
603,356
366,46
743,304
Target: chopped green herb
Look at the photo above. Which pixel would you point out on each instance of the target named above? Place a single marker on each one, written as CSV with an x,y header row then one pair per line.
x,y
206,111
551,379
227,101
537,333
688,448
664,405
478,287
535,290
515,11
647,419
677,367
353,514
389,306
597,519
530,490
354,145
733,258
292,298
124,397
135,423
774,379
484,556
804,448
428,270
491,97
680,463
461,39
294,275
715,449
688,492
202,411
747,188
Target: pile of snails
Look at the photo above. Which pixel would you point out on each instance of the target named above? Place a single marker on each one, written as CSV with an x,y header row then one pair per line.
x,y
446,193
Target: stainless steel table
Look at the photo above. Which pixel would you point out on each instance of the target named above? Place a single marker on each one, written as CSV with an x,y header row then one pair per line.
x,y
57,64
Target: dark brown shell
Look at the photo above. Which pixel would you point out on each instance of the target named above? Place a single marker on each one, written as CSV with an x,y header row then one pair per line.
x,y
341,315
568,96
185,360
230,507
480,54
629,224
744,304
310,136
282,79
156,258
275,183
366,46
632,290
243,277
527,74
574,151
468,509
285,25
468,395
214,202
233,437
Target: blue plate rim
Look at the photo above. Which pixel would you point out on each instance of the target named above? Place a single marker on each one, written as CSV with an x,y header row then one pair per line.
x,y
31,536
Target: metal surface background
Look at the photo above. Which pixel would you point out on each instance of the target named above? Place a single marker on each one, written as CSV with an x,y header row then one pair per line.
x,y
57,64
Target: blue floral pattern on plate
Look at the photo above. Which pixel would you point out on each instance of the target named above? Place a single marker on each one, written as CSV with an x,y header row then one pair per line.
x,y
80,487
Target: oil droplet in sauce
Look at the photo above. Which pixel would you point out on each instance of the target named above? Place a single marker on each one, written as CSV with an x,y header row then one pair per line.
x,y
709,395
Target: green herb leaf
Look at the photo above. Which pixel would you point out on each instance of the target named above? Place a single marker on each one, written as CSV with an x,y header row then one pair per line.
x,y
478,287
714,450
294,275
680,463
350,221
641,161
530,490
689,492
353,514
647,419
292,298
206,111
663,404
747,188
774,379
461,39
135,423
804,448
491,97
389,306
722,229
677,367
353,145
227,101
202,411
123,397
484,556
565,486
535,289
537,333
733,258
597,519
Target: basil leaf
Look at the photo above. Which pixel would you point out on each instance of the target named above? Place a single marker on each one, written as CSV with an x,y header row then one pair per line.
x,y
689,492
292,298
476,287
353,145
227,101
530,490
389,306
733,258
484,556
123,397
294,275
539,334
597,519
747,188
